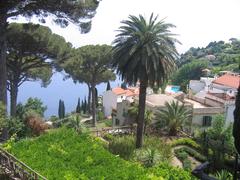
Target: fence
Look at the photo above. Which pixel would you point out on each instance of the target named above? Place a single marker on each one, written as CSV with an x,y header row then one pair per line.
x,y
16,168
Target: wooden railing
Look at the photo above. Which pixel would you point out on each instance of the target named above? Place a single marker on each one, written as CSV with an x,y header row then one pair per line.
x,y
16,168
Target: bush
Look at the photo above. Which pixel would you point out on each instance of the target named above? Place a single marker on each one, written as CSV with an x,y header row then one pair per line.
x,y
73,156
182,155
36,124
194,154
187,142
123,146
169,172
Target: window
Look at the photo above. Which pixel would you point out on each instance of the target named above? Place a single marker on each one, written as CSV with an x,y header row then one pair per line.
x,y
207,121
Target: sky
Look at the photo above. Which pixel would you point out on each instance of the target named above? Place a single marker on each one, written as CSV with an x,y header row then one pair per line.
x,y
197,22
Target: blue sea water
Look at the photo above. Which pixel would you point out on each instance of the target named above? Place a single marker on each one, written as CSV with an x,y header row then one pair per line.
x,y
58,89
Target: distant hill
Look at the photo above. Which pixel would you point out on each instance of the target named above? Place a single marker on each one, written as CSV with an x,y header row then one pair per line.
x,y
221,56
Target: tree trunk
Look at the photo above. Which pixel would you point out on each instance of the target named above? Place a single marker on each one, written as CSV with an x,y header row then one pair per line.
x,y
89,98
236,124
13,96
141,112
3,65
94,121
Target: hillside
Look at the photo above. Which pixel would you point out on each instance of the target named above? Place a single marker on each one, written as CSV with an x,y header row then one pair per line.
x,y
220,55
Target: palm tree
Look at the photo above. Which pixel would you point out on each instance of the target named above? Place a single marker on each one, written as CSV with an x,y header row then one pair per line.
x,y
174,116
144,51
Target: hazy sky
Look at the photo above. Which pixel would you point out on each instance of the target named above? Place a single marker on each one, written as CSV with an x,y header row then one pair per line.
x,y
198,21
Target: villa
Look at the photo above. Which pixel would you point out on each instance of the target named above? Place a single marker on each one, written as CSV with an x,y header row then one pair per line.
x,y
219,93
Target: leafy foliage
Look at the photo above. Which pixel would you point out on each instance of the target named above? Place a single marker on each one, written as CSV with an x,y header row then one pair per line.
x,y
189,71
78,108
174,116
185,141
74,156
61,109
32,104
144,51
2,117
224,175
90,64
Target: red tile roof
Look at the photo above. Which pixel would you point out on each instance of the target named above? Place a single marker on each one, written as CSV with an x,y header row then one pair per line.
x,y
118,91
131,91
228,80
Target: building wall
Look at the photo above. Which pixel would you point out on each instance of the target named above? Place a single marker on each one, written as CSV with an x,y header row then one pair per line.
x,y
109,102
122,109
229,113
196,86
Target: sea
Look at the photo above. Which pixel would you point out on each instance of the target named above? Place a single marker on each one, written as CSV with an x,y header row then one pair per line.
x,y
59,88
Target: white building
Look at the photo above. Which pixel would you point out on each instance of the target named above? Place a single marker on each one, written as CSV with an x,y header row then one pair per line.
x,y
218,92
117,95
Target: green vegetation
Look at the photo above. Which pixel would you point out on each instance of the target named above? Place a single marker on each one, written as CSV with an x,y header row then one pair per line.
x,y
187,72
198,156
78,108
61,109
73,156
29,49
174,117
236,124
144,50
151,154
187,142
183,157
90,64
62,14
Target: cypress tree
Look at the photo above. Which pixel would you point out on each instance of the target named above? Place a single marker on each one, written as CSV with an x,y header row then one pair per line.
x,y
60,109
63,109
85,105
78,108
108,86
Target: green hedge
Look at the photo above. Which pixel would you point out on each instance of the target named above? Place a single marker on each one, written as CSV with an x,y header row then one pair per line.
x,y
193,153
186,141
63,154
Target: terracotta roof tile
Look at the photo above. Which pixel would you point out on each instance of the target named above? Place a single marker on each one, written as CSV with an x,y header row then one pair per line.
x,y
118,91
228,80
128,92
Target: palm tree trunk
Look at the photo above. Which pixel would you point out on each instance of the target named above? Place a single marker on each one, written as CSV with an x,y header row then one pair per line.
x,y
13,96
94,121
3,65
141,112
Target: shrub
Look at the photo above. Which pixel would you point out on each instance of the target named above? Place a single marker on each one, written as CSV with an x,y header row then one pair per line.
x,y
123,146
153,152
182,155
186,141
169,172
194,154
73,156
224,175
36,124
